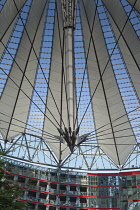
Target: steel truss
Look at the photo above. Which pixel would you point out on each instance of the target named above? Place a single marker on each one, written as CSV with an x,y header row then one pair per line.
x,y
33,149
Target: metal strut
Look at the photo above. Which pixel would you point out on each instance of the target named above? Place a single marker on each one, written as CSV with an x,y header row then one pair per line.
x,y
69,11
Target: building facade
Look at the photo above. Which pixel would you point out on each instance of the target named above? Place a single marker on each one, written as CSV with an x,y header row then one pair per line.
x,y
50,188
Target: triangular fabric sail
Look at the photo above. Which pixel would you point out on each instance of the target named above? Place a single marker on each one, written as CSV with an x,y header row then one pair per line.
x,y
108,107
128,41
18,88
7,21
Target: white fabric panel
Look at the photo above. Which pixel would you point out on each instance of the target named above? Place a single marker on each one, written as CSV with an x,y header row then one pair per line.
x,y
136,5
55,87
5,39
14,103
7,21
106,95
129,43
8,14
